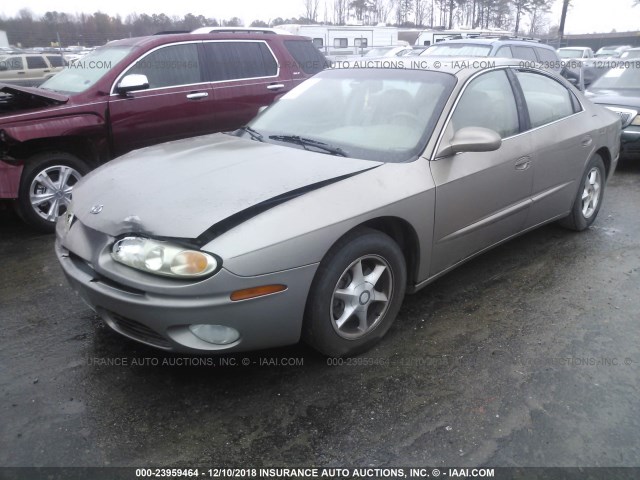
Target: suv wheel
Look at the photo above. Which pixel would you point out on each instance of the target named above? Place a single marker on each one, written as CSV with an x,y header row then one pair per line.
x,y
46,186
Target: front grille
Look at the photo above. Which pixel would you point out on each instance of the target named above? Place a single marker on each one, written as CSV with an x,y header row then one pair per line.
x,y
138,331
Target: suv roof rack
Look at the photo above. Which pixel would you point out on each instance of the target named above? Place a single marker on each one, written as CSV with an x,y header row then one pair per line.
x,y
171,32
237,30
515,37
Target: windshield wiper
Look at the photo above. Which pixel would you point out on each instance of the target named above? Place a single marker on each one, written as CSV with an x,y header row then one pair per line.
x,y
254,133
308,142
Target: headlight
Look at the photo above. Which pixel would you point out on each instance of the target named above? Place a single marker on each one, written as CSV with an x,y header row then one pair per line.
x,y
636,121
162,258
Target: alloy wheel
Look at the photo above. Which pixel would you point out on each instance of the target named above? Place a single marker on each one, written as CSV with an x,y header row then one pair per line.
x,y
50,191
591,192
361,297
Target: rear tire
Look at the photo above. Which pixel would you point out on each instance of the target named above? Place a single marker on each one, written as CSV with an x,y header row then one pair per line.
x,y
46,187
356,294
589,198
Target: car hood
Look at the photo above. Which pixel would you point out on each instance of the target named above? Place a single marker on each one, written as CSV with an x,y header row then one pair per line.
x,y
623,98
19,99
54,97
202,186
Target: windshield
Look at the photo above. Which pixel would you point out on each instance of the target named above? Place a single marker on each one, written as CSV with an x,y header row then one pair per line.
x,y
86,71
458,50
378,52
570,53
385,115
617,79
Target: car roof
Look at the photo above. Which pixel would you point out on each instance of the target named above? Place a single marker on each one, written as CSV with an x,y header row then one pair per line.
x,y
497,40
614,47
163,39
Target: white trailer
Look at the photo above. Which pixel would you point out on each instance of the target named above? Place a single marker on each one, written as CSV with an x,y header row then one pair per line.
x,y
431,37
337,40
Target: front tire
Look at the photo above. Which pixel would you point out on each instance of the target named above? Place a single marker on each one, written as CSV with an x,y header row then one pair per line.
x,y
356,294
46,186
589,198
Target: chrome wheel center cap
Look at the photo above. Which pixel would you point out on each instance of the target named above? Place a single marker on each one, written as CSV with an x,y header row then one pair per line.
x,y
364,297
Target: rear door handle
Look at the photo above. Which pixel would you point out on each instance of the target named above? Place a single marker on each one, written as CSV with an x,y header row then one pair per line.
x,y
47,71
523,163
586,141
275,86
197,95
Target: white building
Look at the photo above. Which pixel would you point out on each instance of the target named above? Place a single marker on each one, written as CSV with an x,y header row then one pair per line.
x,y
4,41
431,37
339,40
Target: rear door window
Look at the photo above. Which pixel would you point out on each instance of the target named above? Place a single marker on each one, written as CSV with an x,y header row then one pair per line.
x,y
504,52
547,100
239,60
55,60
524,53
36,61
306,56
546,55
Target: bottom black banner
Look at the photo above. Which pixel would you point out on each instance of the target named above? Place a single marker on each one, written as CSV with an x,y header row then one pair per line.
x,y
327,473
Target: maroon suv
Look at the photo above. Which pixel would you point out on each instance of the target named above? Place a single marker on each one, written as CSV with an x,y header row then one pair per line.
x,y
133,93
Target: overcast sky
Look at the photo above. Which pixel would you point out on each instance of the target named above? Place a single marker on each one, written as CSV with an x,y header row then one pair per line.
x,y
585,16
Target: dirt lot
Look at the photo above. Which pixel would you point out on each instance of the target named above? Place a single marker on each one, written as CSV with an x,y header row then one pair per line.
x,y
526,356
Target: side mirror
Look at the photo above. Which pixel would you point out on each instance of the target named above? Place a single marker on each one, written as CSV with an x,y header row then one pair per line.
x,y
132,83
472,139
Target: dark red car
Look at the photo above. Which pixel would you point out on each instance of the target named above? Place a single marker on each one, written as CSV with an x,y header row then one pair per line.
x,y
133,93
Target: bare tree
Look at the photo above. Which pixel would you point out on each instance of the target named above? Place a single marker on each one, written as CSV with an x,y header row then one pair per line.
x,y
339,12
311,10
521,7
420,11
537,20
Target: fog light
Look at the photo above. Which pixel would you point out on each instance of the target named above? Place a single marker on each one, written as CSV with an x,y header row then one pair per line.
x,y
216,334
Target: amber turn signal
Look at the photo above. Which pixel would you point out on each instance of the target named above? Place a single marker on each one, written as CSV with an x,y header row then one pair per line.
x,y
254,292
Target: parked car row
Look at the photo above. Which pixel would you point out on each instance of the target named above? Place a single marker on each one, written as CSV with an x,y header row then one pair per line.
x,y
309,221
525,50
133,93
619,90
29,69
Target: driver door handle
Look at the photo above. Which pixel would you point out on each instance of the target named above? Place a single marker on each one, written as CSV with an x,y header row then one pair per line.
x,y
275,86
197,95
523,163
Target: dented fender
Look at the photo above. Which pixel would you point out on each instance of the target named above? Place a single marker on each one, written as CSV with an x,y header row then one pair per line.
x,y
84,125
